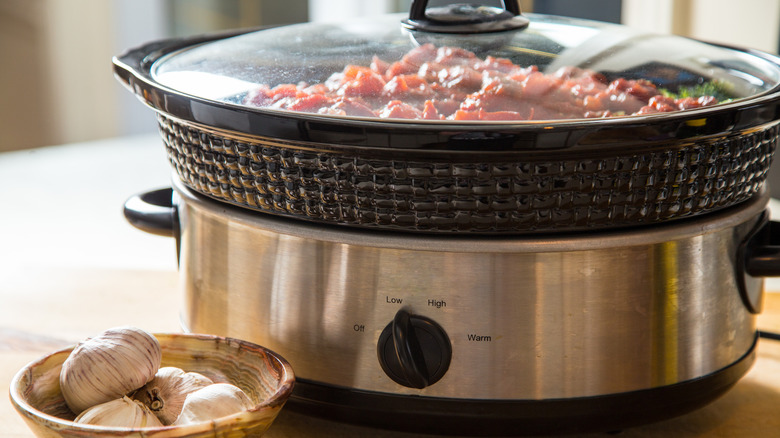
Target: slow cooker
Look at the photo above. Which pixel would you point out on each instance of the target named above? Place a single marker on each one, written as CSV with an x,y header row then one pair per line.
x,y
469,220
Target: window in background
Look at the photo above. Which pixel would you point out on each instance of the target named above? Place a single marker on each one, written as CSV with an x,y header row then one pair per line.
x,y
58,60
55,75
135,23
140,21
602,10
334,10
192,17
24,89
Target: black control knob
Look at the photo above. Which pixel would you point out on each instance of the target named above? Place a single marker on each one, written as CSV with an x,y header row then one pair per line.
x,y
413,350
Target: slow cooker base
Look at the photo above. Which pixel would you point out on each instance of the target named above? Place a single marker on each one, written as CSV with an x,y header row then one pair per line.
x,y
515,417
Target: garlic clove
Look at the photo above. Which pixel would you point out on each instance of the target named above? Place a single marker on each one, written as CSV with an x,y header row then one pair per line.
x,y
212,402
165,394
109,366
122,412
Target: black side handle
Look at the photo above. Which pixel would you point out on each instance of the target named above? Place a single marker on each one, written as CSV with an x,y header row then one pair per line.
x,y
153,212
465,18
758,256
763,255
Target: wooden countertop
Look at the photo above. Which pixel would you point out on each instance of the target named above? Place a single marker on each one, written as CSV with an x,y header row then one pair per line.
x,y
70,266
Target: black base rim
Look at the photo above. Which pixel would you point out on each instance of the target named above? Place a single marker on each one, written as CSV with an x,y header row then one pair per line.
x,y
607,413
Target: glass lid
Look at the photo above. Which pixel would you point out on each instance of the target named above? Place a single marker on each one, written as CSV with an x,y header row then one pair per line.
x,y
514,68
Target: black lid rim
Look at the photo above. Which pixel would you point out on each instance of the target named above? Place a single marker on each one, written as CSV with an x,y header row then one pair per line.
x,y
133,69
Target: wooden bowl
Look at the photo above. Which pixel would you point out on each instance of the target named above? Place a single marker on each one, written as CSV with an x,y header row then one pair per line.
x,y
263,375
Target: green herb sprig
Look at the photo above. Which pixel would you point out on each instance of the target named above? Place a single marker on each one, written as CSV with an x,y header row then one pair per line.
x,y
717,89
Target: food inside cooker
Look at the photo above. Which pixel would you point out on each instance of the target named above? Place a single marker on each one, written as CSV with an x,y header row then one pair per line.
x,y
448,83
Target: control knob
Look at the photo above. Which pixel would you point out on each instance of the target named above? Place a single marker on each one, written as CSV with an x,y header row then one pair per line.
x,y
414,350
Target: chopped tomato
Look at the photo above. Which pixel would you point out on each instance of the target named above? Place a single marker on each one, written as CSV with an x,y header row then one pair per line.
x,y
400,68
662,104
519,74
538,85
446,106
500,115
641,89
316,89
398,110
365,84
286,90
501,65
466,115
378,66
310,104
260,96
598,114
353,108
695,102
420,55
452,56
430,112
430,71
352,71
463,78
411,86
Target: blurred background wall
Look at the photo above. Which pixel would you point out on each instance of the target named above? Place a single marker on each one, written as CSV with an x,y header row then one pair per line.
x,y
56,82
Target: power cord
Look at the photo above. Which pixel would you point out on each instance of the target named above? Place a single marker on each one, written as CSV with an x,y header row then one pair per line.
x,y
769,335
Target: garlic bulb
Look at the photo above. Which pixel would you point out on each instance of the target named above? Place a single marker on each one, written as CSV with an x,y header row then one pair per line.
x,y
165,394
122,412
109,366
212,402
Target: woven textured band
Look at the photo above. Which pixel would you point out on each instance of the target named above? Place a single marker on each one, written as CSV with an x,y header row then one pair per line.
x,y
340,186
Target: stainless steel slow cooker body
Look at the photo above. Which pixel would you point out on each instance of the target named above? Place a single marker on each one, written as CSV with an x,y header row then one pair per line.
x,y
528,318
546,333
